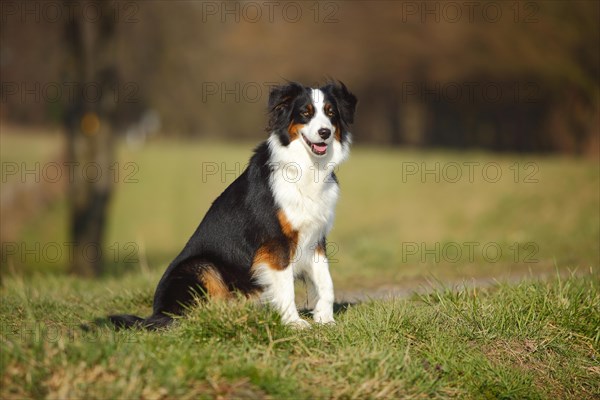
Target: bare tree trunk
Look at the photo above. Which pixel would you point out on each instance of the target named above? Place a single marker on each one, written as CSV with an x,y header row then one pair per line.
x,y
90,68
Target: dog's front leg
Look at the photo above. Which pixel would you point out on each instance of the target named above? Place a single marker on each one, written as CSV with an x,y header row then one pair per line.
x,y
320,288
279,292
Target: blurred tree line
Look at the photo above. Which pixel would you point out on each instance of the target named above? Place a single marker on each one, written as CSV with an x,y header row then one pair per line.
x,y
506,76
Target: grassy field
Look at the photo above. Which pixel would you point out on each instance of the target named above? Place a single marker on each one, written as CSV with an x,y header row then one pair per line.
x,y
527,341
405,218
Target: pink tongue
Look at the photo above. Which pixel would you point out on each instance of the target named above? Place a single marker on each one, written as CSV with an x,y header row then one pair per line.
x,y
320,148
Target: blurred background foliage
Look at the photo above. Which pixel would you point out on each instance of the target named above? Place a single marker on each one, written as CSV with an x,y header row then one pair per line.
x,y
507,76
437,82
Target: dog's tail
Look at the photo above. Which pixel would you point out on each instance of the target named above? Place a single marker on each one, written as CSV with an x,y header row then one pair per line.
x,y
126,321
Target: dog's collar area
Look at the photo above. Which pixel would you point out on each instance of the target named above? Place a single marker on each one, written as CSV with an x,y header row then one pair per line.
x,y
317,148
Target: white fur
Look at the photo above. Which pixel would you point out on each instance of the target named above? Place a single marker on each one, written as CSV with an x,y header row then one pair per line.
x,y
279,291
320,288
304,189
319,120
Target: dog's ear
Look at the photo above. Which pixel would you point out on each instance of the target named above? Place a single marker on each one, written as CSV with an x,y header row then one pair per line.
x,y
282,96
280,102
346,101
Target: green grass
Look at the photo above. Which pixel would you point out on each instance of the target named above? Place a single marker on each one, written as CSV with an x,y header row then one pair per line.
x,y
532,340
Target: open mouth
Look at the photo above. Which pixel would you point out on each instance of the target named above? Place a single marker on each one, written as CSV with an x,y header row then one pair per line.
x,y
317,148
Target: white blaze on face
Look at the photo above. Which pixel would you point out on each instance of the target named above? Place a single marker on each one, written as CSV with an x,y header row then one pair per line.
x,y
319,119
310,150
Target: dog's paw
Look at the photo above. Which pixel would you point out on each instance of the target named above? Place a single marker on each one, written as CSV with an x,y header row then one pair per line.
x,y
324,319
298,324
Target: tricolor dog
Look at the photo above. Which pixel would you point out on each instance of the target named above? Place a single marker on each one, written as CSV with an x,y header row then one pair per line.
x,y
270,225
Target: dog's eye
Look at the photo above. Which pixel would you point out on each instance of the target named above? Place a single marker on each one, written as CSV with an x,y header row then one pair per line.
x,y
330,112
305,114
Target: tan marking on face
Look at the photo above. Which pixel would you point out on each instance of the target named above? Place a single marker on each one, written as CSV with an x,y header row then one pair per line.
x,y
338,128
294,130
213,283
338,132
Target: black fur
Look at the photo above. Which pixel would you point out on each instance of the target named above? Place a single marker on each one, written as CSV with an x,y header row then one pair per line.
x,y
345,104
285,103
239,222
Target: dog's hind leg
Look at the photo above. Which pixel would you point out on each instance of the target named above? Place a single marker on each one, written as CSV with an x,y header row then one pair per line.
x,y
176,291
178,288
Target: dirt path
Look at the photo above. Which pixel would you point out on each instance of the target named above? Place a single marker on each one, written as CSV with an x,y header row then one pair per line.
x,y
389,292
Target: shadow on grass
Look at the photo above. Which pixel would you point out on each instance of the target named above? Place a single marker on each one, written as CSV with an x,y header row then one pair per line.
x,y
338,309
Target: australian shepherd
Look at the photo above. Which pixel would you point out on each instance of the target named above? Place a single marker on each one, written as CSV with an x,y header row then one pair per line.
x,y
270,225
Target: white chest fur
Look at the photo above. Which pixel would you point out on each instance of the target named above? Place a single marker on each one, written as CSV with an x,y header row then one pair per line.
x,y
305,191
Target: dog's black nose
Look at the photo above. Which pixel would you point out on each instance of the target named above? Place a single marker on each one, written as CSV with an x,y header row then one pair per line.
x,y
324,133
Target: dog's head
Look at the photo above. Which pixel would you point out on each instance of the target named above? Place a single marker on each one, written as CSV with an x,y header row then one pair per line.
x,y
316,117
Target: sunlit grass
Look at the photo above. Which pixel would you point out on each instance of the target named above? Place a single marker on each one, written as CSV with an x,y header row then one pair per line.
x,y
530,340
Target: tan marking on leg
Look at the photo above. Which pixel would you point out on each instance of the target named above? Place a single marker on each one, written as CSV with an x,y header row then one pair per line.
x,y
277,255
213,283
270,254
320,253
290,233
